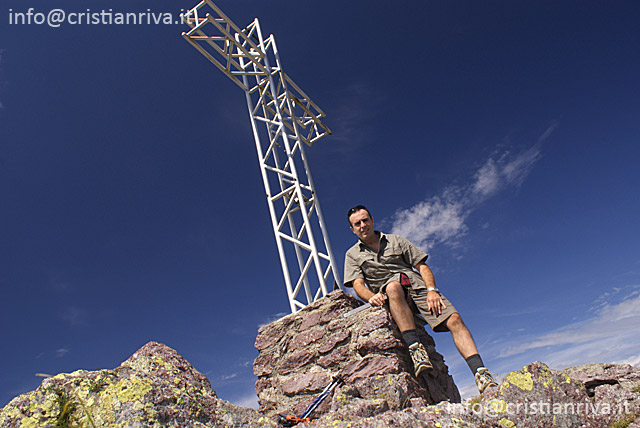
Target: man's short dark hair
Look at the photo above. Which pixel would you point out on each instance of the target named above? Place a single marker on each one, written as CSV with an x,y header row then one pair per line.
x,y
355,210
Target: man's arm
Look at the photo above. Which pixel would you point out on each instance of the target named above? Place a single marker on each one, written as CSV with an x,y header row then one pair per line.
x,y
367,295
434,300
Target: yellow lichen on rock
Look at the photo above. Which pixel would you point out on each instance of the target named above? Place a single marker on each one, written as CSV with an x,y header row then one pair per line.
x,y
106,397
265,420
161,362
131,389
145,363
30,422
546,378
506,423
33,404
522,380
39,406
341,399
103,416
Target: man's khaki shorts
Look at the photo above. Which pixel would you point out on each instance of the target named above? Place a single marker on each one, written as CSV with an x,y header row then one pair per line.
x,y
417,300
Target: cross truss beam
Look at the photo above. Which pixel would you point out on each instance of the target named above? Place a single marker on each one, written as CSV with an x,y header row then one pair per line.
x,y
282,118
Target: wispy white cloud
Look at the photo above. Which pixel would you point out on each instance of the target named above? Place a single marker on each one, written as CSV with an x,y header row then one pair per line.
x,y
228,377
443,218
633,360
60,353
246,363
608,335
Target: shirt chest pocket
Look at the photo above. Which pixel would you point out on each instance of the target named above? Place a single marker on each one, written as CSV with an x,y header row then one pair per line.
x,y
393,256
373,267
368,262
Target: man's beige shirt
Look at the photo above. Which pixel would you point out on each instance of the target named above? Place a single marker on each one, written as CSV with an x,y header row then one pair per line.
x,y
397,255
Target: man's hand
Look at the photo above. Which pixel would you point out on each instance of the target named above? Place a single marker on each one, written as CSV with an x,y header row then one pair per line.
x,y
435,302
377,299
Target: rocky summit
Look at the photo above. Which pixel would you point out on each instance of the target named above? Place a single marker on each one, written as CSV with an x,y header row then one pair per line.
x,y
299,355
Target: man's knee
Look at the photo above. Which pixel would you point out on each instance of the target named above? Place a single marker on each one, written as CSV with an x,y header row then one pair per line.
x,y
395,290
455,322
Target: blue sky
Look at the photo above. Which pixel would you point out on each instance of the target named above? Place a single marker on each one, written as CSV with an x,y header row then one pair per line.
x,y
502,137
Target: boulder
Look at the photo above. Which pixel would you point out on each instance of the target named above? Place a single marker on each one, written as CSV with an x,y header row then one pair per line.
x,y
154,387
301,353
589,396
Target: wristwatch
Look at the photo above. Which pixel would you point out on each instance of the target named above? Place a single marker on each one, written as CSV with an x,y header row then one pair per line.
x,y
432,289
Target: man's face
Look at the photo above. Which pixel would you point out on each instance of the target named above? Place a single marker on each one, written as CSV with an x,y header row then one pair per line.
x,y
362,224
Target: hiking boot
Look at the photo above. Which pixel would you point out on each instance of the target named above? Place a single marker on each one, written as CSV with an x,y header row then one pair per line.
x,y
484,379
420,358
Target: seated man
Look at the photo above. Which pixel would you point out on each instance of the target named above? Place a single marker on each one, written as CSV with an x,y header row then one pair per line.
x,y
394,268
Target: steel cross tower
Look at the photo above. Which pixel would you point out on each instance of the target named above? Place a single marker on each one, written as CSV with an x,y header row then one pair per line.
x,y
282,118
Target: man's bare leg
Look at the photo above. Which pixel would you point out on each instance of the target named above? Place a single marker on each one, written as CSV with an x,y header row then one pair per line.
x,y
467,348
461,336
403,316
400,310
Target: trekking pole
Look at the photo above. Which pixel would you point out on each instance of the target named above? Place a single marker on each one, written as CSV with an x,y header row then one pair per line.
x,y
290,420
336,382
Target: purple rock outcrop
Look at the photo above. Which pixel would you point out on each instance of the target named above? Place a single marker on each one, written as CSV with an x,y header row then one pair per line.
x,y
594,395
616,387
155,387
302,352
